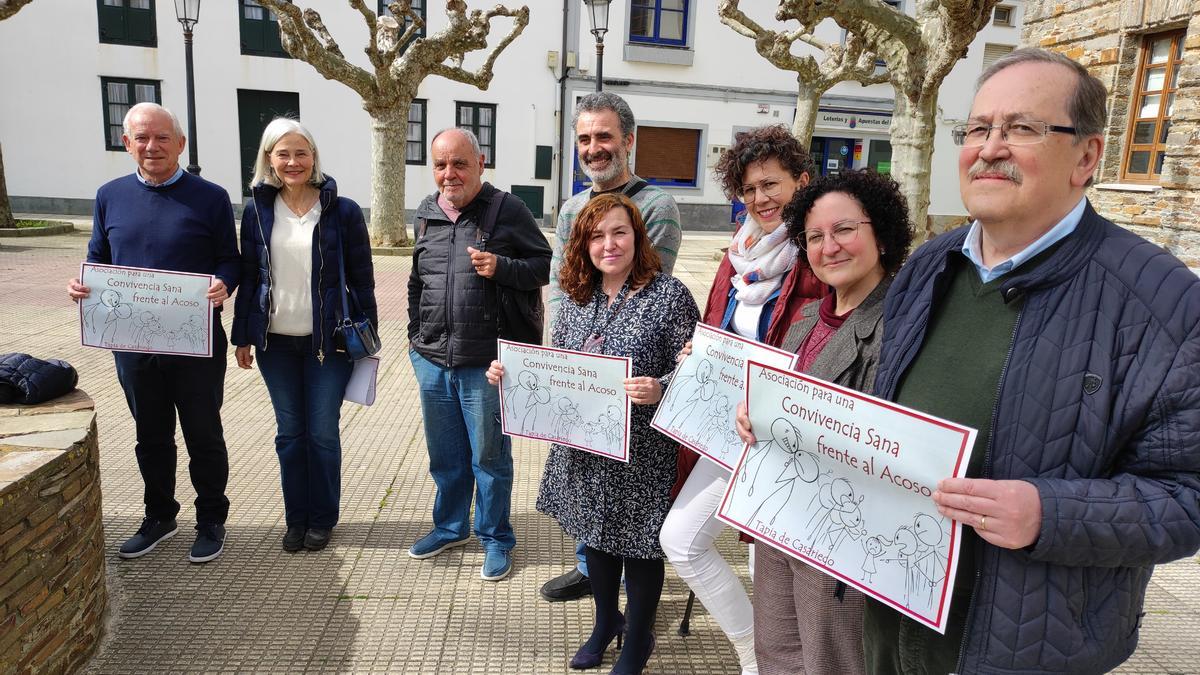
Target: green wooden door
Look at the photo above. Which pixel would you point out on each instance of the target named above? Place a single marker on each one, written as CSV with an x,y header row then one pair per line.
x,y
256,109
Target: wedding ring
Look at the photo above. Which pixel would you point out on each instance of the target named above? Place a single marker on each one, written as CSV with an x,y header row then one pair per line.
x,y
983,523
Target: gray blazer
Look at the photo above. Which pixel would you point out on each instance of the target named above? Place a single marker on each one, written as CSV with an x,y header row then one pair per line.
x,y
852,354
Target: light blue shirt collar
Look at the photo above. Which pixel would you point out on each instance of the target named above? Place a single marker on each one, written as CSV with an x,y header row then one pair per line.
x,y
169,181
971,245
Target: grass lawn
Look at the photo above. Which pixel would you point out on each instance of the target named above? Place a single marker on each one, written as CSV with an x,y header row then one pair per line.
x,y
21,224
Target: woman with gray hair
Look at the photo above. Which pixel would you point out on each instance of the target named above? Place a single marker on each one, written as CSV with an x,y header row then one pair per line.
x,y
294,229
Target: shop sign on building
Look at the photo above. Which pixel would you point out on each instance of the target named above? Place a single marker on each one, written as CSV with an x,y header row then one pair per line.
x,y
858,121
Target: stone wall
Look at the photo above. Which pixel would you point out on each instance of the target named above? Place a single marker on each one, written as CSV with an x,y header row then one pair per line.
x,y
52,589
1106,37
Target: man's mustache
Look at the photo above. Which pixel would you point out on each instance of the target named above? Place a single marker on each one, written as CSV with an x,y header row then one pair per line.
x,y
1001,167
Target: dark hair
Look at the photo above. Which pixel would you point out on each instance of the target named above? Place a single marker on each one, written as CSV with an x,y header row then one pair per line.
x,y
880,198
756,145
1088,105
578,277
599,101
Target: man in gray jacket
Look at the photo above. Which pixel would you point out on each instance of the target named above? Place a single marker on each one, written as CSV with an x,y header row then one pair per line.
x,y
470,251
1073,346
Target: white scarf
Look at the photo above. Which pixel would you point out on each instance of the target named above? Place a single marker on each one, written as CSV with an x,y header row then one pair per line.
x,y
762,260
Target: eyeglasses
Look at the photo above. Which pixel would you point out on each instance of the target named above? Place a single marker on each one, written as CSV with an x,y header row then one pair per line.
x,y
1019,132
843,232
770,188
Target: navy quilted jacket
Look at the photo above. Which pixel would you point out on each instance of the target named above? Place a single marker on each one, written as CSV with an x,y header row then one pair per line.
x,y
28,380
340,217
1099,408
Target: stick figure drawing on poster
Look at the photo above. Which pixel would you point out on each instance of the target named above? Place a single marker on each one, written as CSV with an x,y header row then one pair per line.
x,y
717,420
920,553
516,397
107,315
874,548
193,332
693,394
566,418
537,402
777,468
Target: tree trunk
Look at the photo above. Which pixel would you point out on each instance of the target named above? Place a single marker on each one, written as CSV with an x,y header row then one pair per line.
x,y
808,100
912,134
389,134
6,216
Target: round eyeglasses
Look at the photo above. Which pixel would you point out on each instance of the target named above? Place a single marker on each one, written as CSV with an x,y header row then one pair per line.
x,y
770,187
843,232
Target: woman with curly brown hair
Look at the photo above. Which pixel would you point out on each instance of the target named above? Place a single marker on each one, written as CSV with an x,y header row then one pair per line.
x,y
620,304
854,233
758,293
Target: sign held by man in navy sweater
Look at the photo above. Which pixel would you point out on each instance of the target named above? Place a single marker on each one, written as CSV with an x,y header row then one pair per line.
x,y
146,310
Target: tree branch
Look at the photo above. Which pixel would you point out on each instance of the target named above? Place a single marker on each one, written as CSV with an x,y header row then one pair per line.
x,y
305,37
11,7
475,33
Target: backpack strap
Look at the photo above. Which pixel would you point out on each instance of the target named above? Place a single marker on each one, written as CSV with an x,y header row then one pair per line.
x,y
635,188
488,225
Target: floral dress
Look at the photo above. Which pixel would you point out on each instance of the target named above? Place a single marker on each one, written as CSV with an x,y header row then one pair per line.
x,y
617,507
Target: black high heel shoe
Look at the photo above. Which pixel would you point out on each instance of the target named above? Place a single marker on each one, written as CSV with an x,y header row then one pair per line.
x,y
642,666
584,659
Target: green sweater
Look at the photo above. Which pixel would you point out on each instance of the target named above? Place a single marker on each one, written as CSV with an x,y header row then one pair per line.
x,y
955,376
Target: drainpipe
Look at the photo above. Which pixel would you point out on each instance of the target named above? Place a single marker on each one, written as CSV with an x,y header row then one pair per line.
x,y
562,112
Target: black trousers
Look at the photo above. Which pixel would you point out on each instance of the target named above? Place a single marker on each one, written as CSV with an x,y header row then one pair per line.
x,y
156,388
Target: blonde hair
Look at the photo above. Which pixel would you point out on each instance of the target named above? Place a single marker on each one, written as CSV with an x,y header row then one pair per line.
x,y
277,129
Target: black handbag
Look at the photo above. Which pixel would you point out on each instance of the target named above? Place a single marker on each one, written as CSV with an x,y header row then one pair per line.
x,y
354,331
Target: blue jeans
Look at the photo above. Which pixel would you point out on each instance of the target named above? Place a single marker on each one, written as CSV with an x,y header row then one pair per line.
x,y
307,397
467,452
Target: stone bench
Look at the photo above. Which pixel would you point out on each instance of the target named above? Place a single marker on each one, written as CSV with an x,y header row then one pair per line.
x,y
52,588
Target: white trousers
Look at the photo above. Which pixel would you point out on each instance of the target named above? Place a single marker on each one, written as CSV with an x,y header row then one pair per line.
x,y
689,537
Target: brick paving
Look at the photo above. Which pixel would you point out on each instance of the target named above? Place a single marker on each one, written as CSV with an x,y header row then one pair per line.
x,y
363,605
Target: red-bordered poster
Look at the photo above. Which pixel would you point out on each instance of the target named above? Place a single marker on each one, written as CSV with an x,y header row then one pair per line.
x,y
132,309
843,481
567,397
699,407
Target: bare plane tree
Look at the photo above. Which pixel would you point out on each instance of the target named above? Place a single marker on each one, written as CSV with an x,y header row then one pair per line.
x,y
7,9
919,51
841,62
400,60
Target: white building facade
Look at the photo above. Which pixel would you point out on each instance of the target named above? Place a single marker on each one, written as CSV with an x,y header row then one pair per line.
x,y
69,68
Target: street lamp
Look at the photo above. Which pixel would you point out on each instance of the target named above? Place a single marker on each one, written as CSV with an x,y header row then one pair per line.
x,y
598,13
188,13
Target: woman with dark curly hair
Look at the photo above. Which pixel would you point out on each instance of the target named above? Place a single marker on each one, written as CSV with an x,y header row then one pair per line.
x,y
620,304
853,229
758,293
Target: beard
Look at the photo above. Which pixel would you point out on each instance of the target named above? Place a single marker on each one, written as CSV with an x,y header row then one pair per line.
x,y
616,165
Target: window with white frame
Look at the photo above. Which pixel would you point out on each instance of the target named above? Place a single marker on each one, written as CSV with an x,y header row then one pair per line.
x,y
1002,15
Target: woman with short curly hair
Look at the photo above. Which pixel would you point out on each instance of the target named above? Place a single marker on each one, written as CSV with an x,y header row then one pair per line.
x,y
854,233
757,293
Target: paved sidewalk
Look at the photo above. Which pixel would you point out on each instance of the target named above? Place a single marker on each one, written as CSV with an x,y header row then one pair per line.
x,y
363,605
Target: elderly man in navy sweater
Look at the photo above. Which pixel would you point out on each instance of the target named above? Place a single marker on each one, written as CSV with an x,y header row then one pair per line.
x,y
162,218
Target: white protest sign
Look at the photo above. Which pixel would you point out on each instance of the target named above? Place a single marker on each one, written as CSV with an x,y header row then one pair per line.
x,y
568,397
699,407
132,309
843,481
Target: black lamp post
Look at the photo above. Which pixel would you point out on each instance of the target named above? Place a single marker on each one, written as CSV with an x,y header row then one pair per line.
x,y
598,13
188,13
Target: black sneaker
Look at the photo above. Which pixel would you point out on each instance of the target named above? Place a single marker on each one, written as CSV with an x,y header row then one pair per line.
x,y
293,540
148,535
317,538
570,586
210,542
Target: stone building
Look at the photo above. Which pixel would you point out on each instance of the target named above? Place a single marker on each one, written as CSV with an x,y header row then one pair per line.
x,y
1147,52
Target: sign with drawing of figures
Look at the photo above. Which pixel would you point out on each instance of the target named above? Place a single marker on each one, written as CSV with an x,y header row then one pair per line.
x,y
132,309
567,397
844,482
699,406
